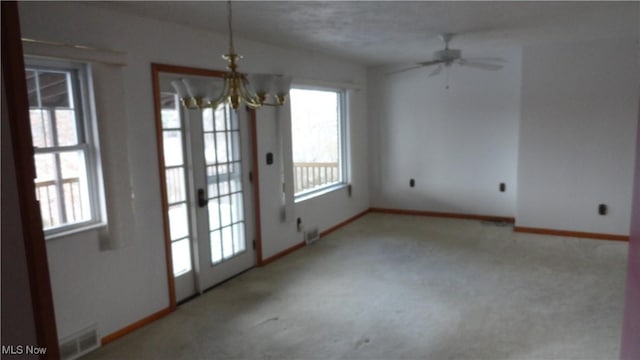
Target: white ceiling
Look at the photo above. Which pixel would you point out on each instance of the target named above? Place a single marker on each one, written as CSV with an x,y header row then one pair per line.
x,y
392,32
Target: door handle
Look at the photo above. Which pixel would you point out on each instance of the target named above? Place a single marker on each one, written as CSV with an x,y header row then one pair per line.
x,y
202,198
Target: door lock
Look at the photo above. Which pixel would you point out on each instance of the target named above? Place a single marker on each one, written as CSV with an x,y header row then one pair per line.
x,y
202,198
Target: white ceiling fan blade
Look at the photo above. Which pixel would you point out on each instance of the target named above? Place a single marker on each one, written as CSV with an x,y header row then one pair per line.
x,y
436,71
480,65
403,70
487,59
419,65
430,62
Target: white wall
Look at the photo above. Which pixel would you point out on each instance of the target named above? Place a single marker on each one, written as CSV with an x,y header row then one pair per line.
x,y
457,143
115,288
577,135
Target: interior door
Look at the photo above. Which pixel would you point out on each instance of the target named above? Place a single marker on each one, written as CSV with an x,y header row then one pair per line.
x,y
209,200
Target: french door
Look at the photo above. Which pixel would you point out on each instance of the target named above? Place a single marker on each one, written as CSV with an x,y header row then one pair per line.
x,y
209,199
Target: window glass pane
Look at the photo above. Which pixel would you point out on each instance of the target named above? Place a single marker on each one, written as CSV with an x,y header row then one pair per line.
x,y
41,133
66,127
181,256
216,246
175,185
315,120
75,186
232,118
54,89
172,142
45,167
46,190
32,88
66,180
178,221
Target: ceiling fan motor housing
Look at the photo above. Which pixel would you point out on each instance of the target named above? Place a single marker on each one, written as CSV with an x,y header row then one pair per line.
x,y
448,55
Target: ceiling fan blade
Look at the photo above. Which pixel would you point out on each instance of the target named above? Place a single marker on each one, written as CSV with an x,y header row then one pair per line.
x,y
403,70
480,65
436,71
487,59
430,62
418,65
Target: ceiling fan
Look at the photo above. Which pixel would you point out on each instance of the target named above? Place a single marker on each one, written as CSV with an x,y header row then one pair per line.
x,y
445,57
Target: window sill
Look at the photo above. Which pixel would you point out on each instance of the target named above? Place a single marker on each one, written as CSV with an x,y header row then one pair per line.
x,y
57,234
320,192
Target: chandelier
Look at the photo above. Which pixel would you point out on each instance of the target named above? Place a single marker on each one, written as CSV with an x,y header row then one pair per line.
x,y
200,93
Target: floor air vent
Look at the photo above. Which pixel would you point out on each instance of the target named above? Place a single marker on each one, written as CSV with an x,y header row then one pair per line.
x,y
79,343
311,235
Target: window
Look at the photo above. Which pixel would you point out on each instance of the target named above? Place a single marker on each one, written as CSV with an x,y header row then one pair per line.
x,y
318,139
66,179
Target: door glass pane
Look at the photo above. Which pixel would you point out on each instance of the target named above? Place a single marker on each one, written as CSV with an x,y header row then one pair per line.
x,y
172,143
207,120
209,149
238,237
237,210
170,113
235,146
220,118
212,182
224,183
176,191
178,221
181,256
216,246
227,242
221,147
225,210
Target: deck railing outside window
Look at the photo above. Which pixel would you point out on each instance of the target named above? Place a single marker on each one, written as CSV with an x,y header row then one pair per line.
x,y
311,175
56,212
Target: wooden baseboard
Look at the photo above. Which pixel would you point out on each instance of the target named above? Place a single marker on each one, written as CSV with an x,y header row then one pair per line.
x,y
577,234
349,220
282,253
135,326
444,214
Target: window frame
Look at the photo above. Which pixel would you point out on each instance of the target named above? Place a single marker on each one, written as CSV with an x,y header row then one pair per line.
x,y
343,142
81,88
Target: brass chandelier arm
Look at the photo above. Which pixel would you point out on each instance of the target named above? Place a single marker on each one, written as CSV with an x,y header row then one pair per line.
x,y
236,88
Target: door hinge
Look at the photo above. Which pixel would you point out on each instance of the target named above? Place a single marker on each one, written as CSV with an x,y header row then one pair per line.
x,y
250,176
254,243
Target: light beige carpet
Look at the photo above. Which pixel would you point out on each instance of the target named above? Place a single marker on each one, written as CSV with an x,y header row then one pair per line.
x,y
391,287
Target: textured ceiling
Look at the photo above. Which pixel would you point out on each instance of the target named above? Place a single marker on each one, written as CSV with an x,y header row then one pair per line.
x,y
384,32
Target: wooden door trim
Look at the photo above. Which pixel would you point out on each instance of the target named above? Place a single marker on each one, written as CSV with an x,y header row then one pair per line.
x,y
35,248
156,69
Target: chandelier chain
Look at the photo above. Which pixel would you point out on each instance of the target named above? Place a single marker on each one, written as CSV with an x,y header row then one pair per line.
x,y
231,49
